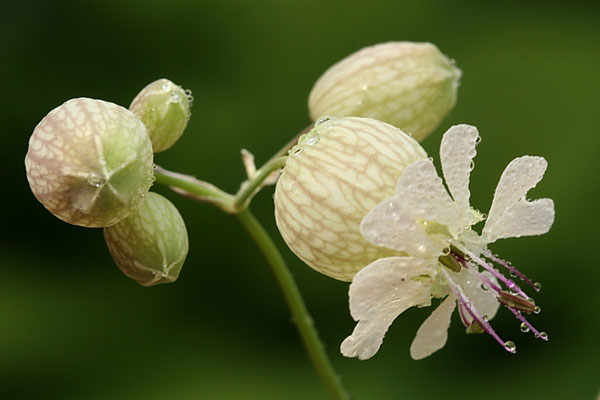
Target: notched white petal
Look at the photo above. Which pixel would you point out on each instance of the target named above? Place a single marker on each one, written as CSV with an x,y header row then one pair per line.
x,y
481,295
433,333
374,323
525,218
520,176
386,280
390,224
456,155
423,193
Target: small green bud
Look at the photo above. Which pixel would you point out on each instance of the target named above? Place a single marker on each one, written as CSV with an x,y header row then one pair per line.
x,y
90,162
164,108
151,244
409,85
333,177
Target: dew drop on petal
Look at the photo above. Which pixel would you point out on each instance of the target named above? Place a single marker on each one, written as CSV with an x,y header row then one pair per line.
x,y
472,165
446,251
484,287
544,335
524,328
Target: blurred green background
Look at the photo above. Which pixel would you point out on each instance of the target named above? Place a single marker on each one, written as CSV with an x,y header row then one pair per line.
x,y
73,327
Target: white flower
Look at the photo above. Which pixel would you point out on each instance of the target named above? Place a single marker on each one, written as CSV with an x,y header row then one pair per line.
x,y
441,256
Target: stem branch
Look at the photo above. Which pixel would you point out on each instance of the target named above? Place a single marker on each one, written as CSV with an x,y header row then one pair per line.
x,y
292,295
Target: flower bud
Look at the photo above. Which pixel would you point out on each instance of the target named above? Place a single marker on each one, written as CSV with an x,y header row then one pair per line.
x,y
164,108
151,244
89,162
333,177
409,85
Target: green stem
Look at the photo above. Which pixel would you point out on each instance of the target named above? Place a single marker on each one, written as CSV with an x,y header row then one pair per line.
x,y
292,295
247,191
189,186
203,191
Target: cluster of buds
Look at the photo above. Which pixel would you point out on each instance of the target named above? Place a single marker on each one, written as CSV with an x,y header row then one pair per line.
x,y
90,163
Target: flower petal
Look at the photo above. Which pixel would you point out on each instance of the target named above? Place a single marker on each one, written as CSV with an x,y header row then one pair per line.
x,y
456,155
423,193
521,175
433,333
484,300
525,218
391,225
378,294
383,281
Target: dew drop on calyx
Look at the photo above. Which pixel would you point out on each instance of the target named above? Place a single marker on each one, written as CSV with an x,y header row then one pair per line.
x,y
312,140
95,179
524,328
321,120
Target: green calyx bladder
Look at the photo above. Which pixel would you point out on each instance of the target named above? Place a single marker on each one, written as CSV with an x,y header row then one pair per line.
x,y
164,108
150,246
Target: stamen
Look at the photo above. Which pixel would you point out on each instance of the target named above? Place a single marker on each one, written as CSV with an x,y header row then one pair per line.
x,y
508,282
510,300
528,325
512,270
464,301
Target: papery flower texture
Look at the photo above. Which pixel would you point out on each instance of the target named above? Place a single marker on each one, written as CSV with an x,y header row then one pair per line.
x,y
440,255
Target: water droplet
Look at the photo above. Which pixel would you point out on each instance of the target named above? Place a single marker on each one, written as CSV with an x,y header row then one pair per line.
x,y
321,120
484,287
430,159
472,165
166,86
510,346
478,140
524,327
485,318
297,151
188,94
446,251
484,216
543,335
513,275
452,61
95,179
175,97
511,284
537,309
537,285
312,140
